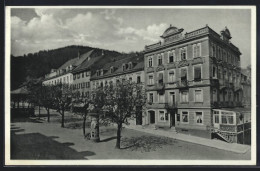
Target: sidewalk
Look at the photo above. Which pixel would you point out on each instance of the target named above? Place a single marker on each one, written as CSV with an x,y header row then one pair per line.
x,y
233,147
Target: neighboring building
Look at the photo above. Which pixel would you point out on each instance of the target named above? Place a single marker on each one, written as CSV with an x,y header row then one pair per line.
x,y
246,87
188,75
64,73
82,74
129,68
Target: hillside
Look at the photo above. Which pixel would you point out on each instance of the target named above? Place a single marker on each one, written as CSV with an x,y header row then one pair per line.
x,y
35,65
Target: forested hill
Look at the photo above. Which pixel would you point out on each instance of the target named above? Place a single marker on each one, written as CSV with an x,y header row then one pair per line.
x,y
35,65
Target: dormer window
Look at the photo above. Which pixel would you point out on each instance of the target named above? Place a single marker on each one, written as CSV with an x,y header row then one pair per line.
x,y
98,72
125,67
130,65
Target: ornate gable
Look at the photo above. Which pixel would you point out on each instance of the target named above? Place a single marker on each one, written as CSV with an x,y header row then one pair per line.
x,y
172,34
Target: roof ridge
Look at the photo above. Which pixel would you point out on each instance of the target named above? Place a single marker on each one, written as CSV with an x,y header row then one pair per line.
x,y
122,59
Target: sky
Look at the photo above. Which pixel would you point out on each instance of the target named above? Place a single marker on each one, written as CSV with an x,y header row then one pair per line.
x,y
123,30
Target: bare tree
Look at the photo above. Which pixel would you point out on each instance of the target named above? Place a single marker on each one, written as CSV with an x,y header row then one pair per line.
x,y
122,100
62,94
82,108
97,104
47,98
35,92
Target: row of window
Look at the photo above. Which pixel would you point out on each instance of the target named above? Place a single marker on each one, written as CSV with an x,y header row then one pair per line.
x,y
172,57
125,66
101,83
81,75
184,96
226,118
225,74
222,54
183,117
65,79
81,85
172,75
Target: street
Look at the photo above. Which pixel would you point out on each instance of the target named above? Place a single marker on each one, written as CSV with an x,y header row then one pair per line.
x,y
38,139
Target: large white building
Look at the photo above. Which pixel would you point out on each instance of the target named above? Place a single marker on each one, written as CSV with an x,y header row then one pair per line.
x,y
64,73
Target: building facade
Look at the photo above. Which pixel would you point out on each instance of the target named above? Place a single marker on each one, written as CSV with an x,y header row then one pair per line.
x,y
188,75
64,73
246,88
130,68
81,76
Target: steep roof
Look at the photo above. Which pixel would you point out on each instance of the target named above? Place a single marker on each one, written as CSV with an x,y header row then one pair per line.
x,y
68,63
21,90
83,57
87,64
76,61
137,61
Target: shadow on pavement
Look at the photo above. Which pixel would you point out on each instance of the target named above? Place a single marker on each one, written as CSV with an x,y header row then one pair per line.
x,y
146,143
37,146
27,119
108,139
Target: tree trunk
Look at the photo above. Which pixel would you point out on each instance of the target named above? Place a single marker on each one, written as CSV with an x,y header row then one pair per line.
x,y
48,114
84,124
119,127
62,119
39,111
98,126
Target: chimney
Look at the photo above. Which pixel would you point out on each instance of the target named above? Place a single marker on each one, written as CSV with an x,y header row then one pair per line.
x,y
78,54
102,52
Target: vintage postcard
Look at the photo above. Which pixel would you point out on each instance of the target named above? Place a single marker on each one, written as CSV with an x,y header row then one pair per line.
x,y
130,85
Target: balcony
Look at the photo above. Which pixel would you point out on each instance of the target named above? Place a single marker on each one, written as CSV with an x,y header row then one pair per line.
x,y
215,104
171,105
238,104
214,82
231,85
198,60
150,105
229,104
150,69
183,84
155,87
